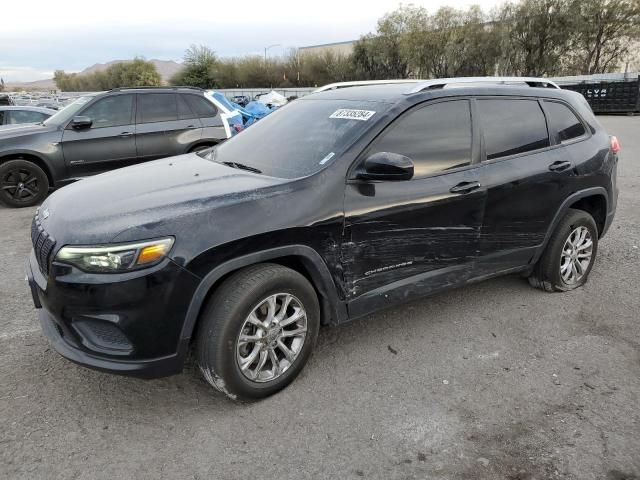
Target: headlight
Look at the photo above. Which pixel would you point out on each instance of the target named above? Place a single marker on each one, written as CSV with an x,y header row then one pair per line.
x,y
116,258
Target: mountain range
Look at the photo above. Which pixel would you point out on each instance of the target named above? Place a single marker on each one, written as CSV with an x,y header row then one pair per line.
x,y
166,69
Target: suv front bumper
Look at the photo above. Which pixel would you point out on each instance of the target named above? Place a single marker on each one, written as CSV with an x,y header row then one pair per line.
x,y
152,368
125,325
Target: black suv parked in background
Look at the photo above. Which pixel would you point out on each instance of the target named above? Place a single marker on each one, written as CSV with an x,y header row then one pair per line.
x,y
100,132
356,199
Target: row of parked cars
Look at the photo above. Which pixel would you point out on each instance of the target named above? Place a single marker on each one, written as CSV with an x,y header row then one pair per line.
x,y
347,201
104,131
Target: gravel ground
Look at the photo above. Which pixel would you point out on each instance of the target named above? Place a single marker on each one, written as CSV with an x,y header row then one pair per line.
x,y
495,381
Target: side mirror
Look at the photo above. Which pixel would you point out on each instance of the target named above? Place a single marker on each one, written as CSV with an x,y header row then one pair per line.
x,y
80,123
387,166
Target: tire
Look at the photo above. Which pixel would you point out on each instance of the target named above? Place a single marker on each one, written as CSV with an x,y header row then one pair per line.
x,y
219,350
554,271
22,183
199,148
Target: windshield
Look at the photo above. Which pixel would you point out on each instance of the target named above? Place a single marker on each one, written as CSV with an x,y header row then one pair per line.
x,y
68,112
300,138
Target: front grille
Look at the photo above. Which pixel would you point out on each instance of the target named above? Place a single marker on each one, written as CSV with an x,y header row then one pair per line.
x,y
43,244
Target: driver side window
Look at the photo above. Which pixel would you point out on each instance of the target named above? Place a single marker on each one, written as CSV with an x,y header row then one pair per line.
x,y
110,111
436,137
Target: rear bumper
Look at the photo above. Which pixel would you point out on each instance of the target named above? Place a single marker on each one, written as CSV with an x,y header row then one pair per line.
x,y
612,210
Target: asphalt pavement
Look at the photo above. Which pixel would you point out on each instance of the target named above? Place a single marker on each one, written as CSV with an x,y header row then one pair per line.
x,y
492,381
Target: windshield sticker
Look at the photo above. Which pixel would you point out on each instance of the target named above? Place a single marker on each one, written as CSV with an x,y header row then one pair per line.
x,y
350,114
327,158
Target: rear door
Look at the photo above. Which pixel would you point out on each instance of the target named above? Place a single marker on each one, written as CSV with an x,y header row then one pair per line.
x,y
213,129
403,239
160,130
526,179
110,141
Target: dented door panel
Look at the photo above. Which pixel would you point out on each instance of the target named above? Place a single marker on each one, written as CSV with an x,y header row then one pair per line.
x,y
415,230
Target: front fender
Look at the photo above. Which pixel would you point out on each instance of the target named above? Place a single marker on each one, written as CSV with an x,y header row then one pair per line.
x,y
333,308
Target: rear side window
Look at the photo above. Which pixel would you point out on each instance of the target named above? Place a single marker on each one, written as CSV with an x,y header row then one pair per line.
x,y
436,137
157,107
512,127
563,121
184,110
201,106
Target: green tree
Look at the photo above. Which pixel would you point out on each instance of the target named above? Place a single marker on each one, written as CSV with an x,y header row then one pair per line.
x,y
200,68
381,55
135,73
410,42
138,73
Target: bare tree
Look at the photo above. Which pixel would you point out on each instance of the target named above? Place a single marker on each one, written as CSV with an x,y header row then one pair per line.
x,y
604,33
537,35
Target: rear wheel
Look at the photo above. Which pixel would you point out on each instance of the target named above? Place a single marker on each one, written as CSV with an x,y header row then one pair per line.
x,y
569,255
258,331
22,183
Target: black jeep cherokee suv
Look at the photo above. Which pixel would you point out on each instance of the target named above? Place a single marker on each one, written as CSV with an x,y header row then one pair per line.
x,y
335,206
100,132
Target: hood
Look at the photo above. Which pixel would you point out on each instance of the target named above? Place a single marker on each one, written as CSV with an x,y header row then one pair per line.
x,y
147,197
10,131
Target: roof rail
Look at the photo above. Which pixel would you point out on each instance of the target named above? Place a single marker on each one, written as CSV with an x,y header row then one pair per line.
x,y
170,87
362,83
443,82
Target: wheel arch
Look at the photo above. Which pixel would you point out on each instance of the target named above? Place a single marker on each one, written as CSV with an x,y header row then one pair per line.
x,y
30,157
596,206
301,258
594,198
201,143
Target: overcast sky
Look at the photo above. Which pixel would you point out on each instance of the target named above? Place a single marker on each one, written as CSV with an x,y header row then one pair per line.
x,y
41,36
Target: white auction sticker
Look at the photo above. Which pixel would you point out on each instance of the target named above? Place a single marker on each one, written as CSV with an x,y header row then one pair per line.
x,y
349,114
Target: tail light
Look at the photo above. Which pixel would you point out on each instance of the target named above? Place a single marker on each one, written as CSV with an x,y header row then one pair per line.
x,y
615,144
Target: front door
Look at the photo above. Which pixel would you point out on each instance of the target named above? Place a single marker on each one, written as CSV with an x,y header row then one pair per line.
x,y
110,141
404,239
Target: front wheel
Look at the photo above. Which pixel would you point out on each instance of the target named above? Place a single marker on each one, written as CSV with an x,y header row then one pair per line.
x,y
569,255
22,183
258,331
199,148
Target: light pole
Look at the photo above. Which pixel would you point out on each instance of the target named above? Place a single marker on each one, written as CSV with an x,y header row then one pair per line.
x,y
267,48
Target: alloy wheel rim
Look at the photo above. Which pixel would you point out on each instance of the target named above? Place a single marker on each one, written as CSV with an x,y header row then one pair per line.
x,y
271,337
19,184
576,256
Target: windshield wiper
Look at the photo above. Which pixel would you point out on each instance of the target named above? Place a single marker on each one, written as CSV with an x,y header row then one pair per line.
x,y
242,167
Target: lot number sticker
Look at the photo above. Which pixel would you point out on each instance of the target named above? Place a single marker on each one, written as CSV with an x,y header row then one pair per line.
x,y
349,114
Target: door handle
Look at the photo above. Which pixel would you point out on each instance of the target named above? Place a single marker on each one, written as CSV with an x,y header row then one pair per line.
x,y
560,166
126,134
465,187
191,126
